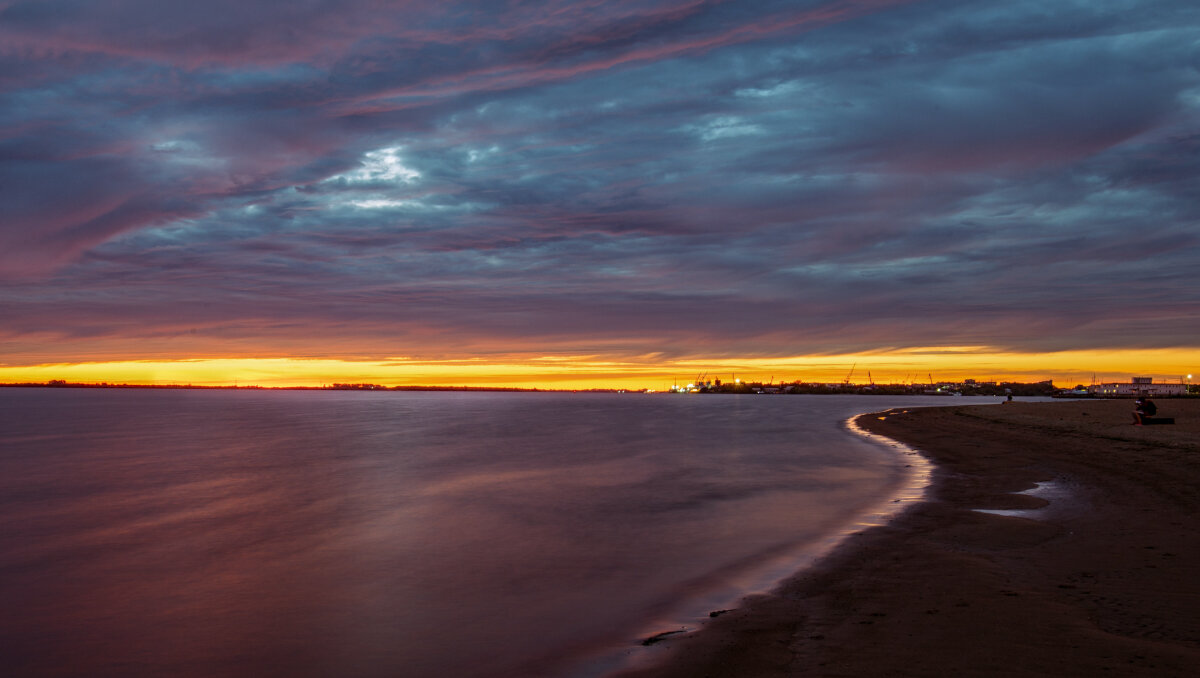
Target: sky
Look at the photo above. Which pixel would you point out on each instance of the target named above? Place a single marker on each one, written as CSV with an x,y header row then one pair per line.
x,y
597,193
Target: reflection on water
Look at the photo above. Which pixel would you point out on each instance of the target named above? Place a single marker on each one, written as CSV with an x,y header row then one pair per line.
x,y
241,533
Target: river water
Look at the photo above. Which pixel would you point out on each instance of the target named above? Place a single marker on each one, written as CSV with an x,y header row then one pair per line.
x,y
384,534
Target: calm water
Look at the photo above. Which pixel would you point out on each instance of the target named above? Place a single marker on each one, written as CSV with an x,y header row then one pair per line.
x,y
242,533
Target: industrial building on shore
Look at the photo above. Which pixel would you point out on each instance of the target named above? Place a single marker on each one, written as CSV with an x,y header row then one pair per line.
x,y
1140,386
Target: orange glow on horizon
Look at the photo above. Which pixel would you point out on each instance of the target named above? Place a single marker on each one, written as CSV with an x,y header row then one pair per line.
x,y
574,372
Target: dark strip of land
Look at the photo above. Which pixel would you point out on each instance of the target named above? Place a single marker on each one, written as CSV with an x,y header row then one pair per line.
x,y
1102,581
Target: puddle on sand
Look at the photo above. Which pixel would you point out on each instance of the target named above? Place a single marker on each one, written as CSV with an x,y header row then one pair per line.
x,y
1050,491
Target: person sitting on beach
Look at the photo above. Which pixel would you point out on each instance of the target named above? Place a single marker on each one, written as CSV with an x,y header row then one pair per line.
x,y
1143,408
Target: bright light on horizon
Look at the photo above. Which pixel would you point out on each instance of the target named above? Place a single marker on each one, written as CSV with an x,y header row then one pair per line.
x,y
568,372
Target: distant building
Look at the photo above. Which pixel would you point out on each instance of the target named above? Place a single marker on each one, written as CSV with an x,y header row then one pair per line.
x,y
1139,386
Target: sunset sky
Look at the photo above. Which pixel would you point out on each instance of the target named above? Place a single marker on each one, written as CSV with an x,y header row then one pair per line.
x,y
587,193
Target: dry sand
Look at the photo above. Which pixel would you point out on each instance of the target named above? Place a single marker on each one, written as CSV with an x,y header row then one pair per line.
x,y
1104,580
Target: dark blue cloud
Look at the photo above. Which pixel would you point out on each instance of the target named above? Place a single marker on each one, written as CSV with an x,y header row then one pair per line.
x,y
684,177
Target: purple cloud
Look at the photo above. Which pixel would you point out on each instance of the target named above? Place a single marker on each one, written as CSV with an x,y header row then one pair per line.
x,y
682,176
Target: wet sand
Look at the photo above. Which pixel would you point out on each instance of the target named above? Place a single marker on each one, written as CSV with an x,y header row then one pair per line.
x,y
1099,575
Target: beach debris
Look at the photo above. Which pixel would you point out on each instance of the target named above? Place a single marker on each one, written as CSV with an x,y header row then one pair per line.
x,y
718,613
659,637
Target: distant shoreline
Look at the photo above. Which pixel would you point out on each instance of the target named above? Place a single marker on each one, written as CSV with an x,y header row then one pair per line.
x,y
354,387
1020,390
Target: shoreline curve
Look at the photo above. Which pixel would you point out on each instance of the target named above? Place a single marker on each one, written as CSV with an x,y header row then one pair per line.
x,y
692,618
695,615
1103,586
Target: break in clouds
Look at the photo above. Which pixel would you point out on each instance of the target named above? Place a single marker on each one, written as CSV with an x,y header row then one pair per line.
x,y
683,177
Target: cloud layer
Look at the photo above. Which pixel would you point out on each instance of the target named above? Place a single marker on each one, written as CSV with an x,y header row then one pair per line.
x,y
679,177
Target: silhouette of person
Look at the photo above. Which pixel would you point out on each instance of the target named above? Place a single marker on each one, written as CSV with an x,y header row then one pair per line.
x,y
1143,409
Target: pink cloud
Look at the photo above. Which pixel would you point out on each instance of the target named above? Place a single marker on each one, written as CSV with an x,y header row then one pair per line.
x,y
529,73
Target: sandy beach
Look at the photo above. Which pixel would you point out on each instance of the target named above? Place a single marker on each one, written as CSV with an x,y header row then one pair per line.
x,y
1094,573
